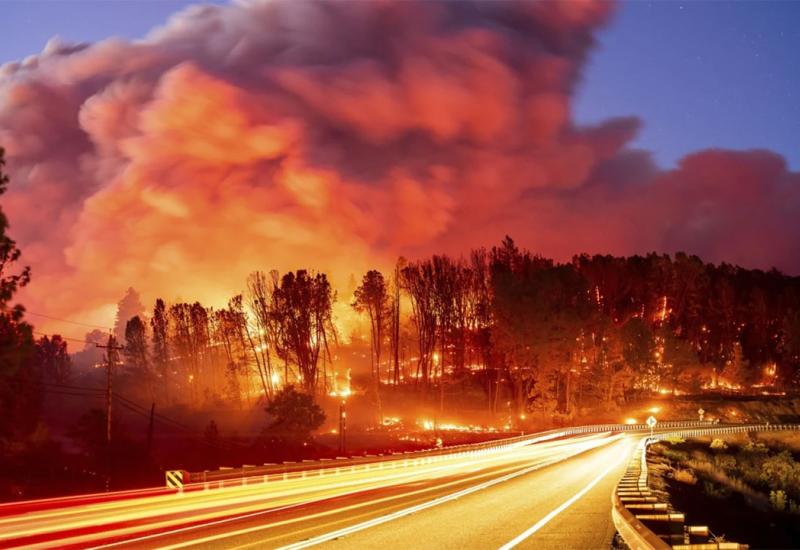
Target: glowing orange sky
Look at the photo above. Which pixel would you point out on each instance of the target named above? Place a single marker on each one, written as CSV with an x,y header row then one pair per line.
x,y
287,135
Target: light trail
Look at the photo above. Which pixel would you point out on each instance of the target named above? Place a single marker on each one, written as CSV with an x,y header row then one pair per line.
x,y
576,449
407,511
569,502
91,524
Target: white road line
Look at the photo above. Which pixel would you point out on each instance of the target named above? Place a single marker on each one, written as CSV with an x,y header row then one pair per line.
x,y
591,442
546,519
407,511
360,486
419,507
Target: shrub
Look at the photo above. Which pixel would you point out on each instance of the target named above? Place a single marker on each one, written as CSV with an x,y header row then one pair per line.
x,y
294,414
713,490
758,448
778,500
685,476
777,470
718,445
674,455
725,462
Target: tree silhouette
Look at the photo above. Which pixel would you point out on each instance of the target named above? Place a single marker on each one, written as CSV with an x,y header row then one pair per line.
x,y
159,324
372,298
294,415
53,359
130,306
137,358
20,396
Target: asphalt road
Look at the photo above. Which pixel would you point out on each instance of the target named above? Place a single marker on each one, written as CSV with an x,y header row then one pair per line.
x,y
552,494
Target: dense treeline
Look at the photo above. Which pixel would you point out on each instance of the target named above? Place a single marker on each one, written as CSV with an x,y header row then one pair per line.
x,y
24,361
532,334
279,330
502,330
529,333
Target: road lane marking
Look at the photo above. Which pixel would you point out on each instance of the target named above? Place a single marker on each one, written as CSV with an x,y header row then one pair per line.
x,y
294,520
419,507
357,483
407,511
546,519
585,445
476,463
89,515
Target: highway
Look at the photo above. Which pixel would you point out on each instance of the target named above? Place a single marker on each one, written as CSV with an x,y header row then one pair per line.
x,y
548,494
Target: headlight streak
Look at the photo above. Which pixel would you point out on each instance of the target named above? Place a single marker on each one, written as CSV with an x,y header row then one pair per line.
x,y
577,496
211,506
413,509
385,471
514,471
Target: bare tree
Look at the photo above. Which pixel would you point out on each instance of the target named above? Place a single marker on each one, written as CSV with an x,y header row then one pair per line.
x,y
159,324
260,289
394,341
417,282
372,298
302,307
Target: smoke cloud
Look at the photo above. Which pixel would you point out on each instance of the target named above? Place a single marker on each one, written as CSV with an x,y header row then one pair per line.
x,y
337,136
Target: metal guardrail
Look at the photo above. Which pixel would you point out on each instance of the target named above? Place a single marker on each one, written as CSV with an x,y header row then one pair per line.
x,y
633,491
248,474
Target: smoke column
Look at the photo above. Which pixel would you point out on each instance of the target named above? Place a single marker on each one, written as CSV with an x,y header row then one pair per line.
x,y
337,136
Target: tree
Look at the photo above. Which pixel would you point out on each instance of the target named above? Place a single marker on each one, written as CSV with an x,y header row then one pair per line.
x,y
302,309
539,309
294,415
262,339
136,355
130,306
638,349
159,324
20,395
53,359
394,321
677,357
371,297
416,281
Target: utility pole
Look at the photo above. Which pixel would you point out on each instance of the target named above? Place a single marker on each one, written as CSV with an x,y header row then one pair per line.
x,y
342,427
111,357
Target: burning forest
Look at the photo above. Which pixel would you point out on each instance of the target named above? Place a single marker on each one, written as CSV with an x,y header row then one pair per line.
x,y
276,231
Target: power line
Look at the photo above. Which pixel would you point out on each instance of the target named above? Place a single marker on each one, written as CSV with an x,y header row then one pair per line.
x,y
74,394
122,398
89,325
134,407
69,387
80,340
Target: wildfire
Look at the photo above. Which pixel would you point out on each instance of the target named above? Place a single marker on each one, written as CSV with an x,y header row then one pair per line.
x,y
345,389
429,425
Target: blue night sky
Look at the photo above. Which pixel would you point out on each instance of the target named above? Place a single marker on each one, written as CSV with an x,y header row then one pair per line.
x,y
700,74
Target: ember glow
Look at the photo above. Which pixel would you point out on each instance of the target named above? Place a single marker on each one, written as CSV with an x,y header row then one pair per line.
x,y
254,135
279,273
